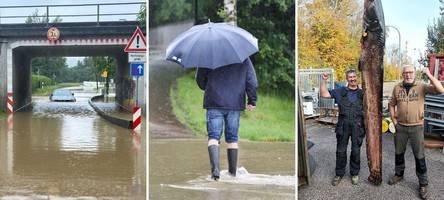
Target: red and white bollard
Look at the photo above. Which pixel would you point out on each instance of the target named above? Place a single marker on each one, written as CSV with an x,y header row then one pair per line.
x,y
137,118
10,103
137,126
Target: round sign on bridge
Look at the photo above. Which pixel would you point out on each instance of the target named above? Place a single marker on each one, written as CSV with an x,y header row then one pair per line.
x,y
53,34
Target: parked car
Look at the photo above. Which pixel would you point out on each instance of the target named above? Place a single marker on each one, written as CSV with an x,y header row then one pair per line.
x,y
62,95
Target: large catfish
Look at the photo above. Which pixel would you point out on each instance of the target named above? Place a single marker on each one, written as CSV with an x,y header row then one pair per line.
x,y
371,65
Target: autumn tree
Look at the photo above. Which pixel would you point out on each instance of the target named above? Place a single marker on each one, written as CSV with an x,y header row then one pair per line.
x,y
328,35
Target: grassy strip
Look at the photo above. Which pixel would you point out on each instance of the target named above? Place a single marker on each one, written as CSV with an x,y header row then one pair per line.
x,y
48,89
273,119
2,115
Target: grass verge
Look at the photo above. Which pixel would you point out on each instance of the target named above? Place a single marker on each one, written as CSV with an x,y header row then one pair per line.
x,y
46,91
2,115
273,119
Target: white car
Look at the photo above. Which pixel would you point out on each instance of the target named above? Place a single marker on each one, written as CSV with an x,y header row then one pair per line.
x,y
62,95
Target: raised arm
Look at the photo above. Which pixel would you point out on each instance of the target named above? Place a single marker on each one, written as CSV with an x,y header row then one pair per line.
x,y
323,88
435,82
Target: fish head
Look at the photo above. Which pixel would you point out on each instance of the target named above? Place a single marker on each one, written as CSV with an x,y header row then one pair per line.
x,y
373,16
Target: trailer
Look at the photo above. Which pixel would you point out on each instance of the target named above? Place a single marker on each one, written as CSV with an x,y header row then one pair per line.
x,y
434,104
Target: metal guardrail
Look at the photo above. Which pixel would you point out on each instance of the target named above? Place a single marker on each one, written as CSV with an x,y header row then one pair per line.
x,y
48,15
309,83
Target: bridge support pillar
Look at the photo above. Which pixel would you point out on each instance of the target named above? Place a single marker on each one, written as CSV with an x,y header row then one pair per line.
x,y
21,74
3,75
125,86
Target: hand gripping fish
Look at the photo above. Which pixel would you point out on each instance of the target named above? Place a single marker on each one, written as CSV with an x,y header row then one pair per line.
x,y
371,66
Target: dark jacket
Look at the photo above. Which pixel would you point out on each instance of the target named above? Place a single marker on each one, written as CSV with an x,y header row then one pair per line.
x,y
225,87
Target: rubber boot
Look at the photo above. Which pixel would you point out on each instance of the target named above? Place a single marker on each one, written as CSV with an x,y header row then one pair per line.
x,y
213,151
232,161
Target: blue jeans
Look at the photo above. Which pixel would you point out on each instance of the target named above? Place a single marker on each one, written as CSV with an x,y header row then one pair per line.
x,y
217,119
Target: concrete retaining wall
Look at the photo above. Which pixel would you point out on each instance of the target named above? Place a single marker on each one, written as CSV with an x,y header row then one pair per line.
x,y
120,122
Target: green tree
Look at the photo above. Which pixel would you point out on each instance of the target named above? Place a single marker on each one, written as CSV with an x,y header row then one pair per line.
x,y
105,63
36,18
272,22
52,67
141,17
209,10
435,37
170,11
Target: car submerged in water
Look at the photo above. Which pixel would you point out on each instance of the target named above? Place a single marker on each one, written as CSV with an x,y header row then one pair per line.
x,y
62,95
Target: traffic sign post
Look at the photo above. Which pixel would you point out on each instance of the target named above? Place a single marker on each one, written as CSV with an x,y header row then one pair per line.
x,y
137,42
136,57
137,69
136,49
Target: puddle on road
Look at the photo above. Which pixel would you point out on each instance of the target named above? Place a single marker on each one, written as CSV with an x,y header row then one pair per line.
x,y
182,171
65,150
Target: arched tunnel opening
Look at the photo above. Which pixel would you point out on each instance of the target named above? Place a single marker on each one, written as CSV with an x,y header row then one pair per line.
x,y
22,70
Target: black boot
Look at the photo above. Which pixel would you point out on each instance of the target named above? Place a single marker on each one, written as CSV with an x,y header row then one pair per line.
x,y
213,151
232,161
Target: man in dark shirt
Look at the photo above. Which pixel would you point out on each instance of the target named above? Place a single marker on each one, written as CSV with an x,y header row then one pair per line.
x,y
224,99
350,125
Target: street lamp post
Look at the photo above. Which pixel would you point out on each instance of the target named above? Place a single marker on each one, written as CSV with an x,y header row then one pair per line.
x,y
399,43
419,53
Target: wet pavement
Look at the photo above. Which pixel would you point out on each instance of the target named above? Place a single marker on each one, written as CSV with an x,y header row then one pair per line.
x,y
108,105
163,123
64,150
323,151
179,165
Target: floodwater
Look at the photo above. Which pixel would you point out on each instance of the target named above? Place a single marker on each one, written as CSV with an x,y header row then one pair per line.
x,y
64,150
182,171
179,163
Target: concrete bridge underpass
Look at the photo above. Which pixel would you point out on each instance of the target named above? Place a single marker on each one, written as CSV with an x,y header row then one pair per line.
x,y
20,43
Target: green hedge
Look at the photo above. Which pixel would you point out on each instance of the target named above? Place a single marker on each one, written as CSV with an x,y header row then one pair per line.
x,y
42,79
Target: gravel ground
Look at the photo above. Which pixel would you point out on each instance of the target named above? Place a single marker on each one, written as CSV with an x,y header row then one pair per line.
x,y
324,150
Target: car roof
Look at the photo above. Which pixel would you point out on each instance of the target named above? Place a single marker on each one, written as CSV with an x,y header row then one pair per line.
x,y
61,90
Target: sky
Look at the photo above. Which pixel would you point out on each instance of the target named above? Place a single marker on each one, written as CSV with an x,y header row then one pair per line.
x,y
411,18
71,61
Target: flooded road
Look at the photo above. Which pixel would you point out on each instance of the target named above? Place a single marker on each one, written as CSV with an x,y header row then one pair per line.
x,y
64,150
163,123
182,171
179,164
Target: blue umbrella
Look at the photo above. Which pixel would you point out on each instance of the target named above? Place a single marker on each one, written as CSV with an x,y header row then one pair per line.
x,y
212,45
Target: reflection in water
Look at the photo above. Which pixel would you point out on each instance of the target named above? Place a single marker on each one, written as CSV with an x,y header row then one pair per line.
x,y
73,141
66,150
6,154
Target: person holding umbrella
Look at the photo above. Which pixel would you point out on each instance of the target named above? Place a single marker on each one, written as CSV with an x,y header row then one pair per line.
x,y
225,72
224,99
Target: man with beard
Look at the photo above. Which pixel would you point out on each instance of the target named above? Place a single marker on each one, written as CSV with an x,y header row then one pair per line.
x,y
407,112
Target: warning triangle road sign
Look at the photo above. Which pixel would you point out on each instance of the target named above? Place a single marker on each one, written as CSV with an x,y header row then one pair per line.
x,y
137,42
